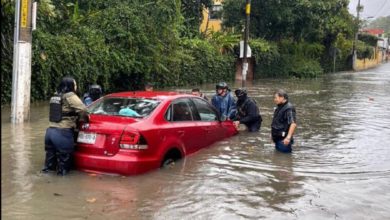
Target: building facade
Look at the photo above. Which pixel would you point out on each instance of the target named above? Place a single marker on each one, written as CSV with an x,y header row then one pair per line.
x,y
212,17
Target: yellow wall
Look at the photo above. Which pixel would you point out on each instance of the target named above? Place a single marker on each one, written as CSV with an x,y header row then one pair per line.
x,y
213,24
362,64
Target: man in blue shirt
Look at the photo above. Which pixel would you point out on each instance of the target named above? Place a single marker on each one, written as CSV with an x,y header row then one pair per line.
x,y
224,102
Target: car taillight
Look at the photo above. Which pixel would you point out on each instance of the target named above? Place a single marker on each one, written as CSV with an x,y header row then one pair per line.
x,y
133,141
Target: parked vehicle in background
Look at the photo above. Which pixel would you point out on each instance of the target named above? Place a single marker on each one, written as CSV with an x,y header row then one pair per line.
x,y
134,132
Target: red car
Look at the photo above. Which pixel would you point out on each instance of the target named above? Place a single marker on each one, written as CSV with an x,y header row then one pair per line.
x,y
134,132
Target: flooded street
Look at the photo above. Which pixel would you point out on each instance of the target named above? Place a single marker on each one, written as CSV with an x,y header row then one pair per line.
x,y
339,168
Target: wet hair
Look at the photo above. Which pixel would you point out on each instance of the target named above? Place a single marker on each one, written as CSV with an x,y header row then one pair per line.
x,y
281,93
66,85
196,90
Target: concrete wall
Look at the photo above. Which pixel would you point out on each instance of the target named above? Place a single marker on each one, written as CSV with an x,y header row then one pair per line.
x,y
250,73
362,64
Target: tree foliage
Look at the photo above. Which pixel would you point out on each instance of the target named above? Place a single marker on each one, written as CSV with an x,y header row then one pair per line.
x,y
312,21
7,20
192,11
119,44
306,25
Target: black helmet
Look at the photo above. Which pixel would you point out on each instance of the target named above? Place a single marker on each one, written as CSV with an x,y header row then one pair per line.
x,y
95,88
221,85
240,92
95,91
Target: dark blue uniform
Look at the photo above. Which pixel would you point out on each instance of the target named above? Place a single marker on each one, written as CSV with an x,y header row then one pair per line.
x,y
248,114
284,116
59,137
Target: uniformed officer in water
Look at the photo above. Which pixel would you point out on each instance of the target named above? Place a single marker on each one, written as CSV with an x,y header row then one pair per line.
x,y
65,109
248,112
284,122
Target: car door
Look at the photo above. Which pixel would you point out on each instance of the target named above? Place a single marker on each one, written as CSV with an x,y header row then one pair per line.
x,y
183,126
209,121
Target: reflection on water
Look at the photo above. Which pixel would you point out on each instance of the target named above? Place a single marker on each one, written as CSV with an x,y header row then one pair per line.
x,y
339,169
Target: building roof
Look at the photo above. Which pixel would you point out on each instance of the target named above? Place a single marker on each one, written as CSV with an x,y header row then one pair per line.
x,y
374,31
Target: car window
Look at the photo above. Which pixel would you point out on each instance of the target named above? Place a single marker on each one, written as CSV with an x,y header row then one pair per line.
x,y
131,107
205,111
195,113
179,110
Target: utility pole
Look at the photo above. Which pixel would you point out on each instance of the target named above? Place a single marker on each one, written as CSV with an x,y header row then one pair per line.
x,y
354,53
21,71
245,61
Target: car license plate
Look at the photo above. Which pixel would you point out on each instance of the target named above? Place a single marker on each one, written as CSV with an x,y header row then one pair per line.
x,y
87,138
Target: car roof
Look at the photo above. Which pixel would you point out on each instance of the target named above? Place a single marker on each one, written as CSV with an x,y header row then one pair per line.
x,y
160,95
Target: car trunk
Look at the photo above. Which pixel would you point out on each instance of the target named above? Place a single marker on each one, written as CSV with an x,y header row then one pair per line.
x,y
102,134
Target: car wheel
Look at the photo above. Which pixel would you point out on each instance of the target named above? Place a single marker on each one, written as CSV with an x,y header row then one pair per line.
x,y
169,162
170,158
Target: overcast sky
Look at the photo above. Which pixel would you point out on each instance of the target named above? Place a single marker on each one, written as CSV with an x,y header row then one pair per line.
x,y
374,8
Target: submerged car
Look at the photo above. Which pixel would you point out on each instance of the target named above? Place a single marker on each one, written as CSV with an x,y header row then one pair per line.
x,y
134,132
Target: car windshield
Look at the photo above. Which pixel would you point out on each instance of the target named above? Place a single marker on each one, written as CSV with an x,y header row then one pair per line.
x,y
121,106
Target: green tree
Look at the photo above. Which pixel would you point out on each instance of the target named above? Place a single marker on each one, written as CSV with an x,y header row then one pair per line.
x,y
192,11
119,44
7,20
312,21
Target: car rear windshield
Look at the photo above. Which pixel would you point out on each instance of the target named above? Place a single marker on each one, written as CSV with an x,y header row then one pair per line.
x,y
130,107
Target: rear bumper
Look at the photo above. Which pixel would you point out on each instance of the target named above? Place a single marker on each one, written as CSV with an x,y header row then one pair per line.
x,y
118,164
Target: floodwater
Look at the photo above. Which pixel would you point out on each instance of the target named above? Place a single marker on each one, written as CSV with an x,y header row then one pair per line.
x,y
339,168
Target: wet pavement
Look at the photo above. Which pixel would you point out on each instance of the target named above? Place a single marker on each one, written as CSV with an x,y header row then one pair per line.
x,y
339,168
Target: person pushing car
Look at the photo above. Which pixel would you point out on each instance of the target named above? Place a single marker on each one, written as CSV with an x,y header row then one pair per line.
x,y
247,111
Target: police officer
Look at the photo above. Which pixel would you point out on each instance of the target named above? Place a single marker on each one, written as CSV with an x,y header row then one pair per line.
x,y
224,102
94,93
65,108
283,122
247,111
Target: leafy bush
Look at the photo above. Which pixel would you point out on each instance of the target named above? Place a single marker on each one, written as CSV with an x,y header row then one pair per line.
x,y
368,39
287,60
302,49
119,46
201,62
364,51
305,68
7,20
343,46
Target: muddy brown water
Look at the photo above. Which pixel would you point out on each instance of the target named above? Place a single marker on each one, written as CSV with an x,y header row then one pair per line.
x,y
339,168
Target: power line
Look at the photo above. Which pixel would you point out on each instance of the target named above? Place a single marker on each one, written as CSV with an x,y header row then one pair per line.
x,y
381,8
